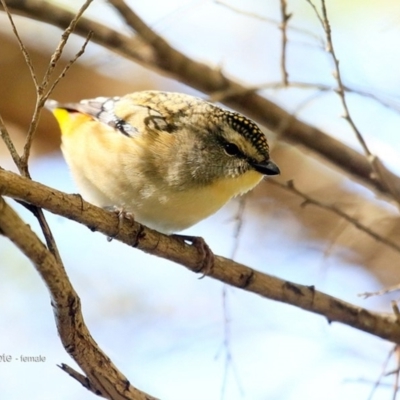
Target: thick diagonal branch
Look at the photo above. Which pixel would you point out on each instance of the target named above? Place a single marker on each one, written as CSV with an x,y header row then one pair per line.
x,y
225,270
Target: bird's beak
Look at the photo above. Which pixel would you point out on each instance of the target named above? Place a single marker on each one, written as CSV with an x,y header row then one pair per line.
x,y
267,168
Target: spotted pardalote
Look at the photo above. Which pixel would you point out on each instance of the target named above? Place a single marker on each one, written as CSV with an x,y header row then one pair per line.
x,y
170,159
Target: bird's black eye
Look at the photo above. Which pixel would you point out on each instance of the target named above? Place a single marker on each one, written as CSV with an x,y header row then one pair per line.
x,y
231,149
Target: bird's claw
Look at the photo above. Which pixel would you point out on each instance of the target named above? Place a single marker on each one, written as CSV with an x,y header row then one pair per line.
x,y
122,214
207,256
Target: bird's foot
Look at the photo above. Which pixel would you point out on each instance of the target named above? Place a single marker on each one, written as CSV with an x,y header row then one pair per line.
x,y
122,214
207,256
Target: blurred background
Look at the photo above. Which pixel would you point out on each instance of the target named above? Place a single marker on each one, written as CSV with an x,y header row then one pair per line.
x,y
173,335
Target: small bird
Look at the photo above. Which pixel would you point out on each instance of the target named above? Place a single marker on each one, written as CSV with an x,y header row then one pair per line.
x,y
169,159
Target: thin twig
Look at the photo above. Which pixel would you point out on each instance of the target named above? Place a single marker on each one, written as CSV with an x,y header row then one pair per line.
x,y
380,173
229,362
283,27
66,68
269,20
396,379
321,87
345,88
3,130
383,373
329,207
381,292
239,225
338,76
226,339
247,13
316,12
9,143
22,47
42,93
42,90
64,39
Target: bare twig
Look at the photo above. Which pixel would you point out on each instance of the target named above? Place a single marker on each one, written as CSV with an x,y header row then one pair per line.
x,y
329,207
247,13
283,27
226,345
22,47
383,372
37,212
396,373
340,90
43,91
318,15
379,172
396,379
82,379
269,20
239,225
381,292
225,270
337,74
66,68
229,362
64,39
8,142
321,87
226,339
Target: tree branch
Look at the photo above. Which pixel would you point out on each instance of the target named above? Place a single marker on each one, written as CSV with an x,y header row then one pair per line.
x,y
102,377
134,234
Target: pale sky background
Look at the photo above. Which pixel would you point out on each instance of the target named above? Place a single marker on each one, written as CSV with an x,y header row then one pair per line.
x,y
160,324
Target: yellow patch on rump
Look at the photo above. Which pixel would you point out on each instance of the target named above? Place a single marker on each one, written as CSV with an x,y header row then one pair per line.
x,y
69,121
